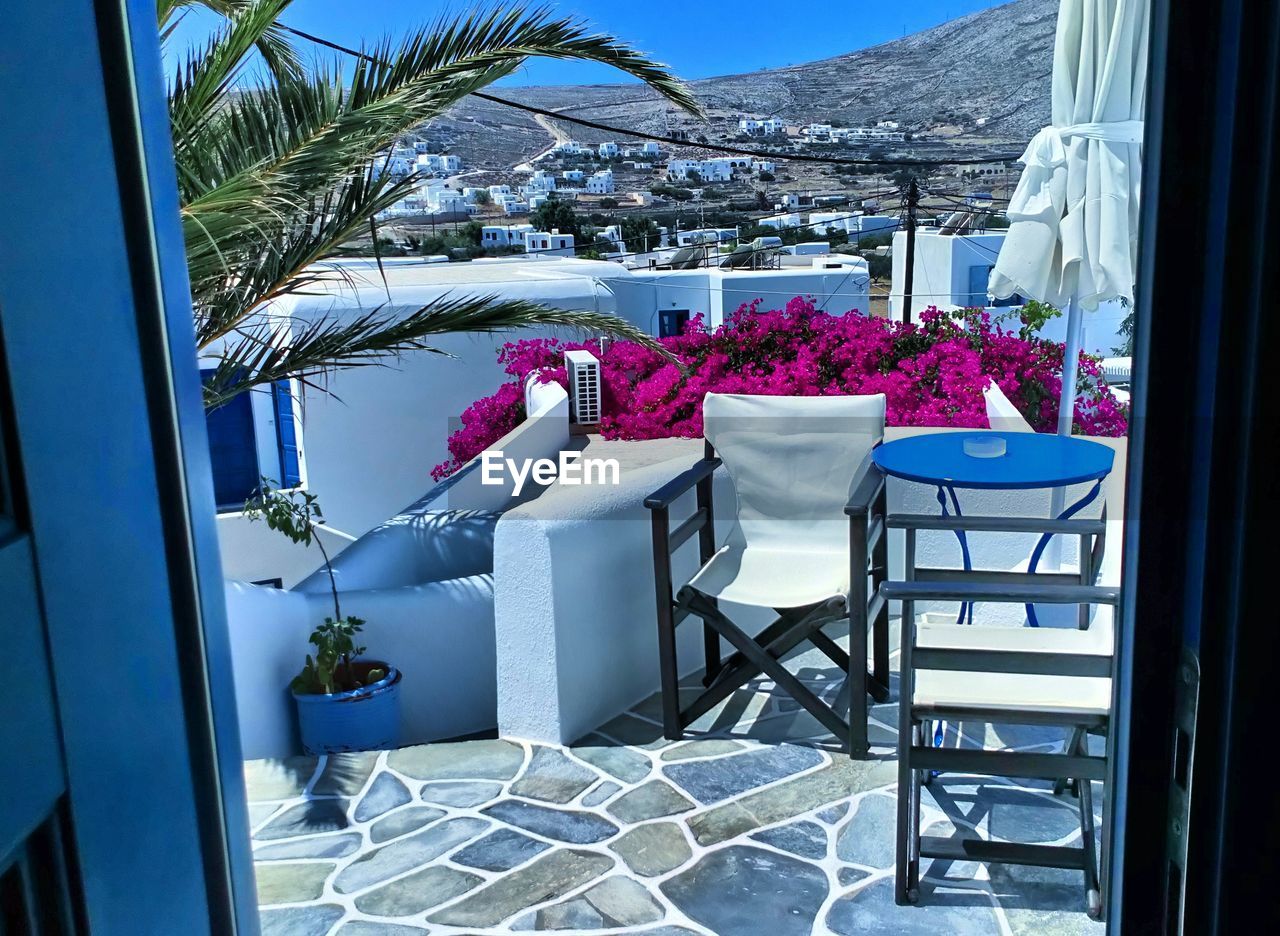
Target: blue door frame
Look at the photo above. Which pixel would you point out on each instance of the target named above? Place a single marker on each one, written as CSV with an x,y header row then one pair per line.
x,y
111,441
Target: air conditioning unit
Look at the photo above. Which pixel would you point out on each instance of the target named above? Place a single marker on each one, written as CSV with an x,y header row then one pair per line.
x,y
584,387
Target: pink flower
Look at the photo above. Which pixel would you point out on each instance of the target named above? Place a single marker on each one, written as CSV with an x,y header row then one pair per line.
x,y
933,373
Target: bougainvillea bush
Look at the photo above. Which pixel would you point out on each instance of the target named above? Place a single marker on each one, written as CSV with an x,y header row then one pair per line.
x,y
932,373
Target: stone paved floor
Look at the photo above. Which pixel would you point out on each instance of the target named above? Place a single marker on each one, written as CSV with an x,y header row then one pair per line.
x,y
755,824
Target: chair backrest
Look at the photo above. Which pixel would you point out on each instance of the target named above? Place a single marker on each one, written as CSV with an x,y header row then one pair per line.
x,y
794,462
1002,415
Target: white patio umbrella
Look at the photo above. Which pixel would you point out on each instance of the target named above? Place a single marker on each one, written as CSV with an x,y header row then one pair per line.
x,y
1073,229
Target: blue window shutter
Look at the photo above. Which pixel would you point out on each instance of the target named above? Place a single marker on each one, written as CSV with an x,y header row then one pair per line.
x,y
232,450
286,434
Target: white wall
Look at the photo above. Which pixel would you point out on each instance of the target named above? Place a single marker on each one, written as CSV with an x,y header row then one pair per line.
x,y
718,293
251,552
941,268
423,583
574,603
439,634
942,280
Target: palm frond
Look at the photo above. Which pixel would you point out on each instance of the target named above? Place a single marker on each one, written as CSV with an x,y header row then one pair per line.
x,y
268,351
277,173
202,84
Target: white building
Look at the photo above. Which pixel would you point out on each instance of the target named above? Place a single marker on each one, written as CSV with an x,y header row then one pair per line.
x,y
764,165
749,125
434,163
573,175
818,132
854,224
706,170
600,183
875,134
781,222
498,190
608,150
551,243
952,272
515,207
651,149
396,165
449,201
503,235
771,125
787,201
569,148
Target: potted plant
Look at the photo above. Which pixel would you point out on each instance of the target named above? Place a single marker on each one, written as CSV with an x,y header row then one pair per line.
x,y
344,703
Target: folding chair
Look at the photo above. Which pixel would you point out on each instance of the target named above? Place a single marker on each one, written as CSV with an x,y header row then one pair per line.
x,y
808,541
1001,675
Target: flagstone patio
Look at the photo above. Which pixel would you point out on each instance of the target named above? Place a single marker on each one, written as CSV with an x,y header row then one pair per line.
x,y
754,824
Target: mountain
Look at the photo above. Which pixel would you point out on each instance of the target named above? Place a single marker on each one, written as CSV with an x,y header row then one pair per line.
x,y
993,66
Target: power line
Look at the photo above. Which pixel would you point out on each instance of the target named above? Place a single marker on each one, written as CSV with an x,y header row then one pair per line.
x,y
658,138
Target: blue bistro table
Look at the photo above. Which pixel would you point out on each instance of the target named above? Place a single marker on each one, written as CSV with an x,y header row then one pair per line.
x,y
1030,461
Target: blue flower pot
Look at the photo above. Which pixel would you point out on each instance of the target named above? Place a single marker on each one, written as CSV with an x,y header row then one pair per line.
x,y
364,719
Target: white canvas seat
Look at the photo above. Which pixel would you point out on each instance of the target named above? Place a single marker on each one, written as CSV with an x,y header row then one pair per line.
x,y
1070,696
1046,676
1097,640
807,541
774,578
794,462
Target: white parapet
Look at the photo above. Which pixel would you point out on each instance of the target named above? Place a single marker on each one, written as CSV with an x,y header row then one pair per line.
x,y
577,639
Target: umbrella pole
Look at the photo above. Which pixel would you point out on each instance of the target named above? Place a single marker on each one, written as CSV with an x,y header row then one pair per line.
x,y
1066,414
1070,368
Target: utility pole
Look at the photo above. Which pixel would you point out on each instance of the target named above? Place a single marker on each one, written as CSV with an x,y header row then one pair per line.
x,y
908,280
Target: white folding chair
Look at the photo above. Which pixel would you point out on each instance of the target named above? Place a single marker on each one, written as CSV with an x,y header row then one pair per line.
x,y
808,541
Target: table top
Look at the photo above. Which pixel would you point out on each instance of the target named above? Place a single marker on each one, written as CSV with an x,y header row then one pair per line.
x,y
1031,460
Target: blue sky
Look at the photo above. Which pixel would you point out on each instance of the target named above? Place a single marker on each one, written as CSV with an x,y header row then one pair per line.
x,y
698,39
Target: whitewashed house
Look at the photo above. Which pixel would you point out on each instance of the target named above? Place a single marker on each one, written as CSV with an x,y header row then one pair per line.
x,y
495,191
542,181
952,271
749,125
551,243
764,165
650,149
817,132
608,150
600,183
706,170
773,125
503,235
573,175
781,222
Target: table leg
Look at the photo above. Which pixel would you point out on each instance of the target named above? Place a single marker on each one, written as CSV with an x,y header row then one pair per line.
x,y
1036,553
943,491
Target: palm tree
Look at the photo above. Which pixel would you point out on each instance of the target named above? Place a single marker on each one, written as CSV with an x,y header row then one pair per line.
x,y
279,164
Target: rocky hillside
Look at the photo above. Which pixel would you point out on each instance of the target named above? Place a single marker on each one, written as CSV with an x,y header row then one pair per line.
x,y
978,81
